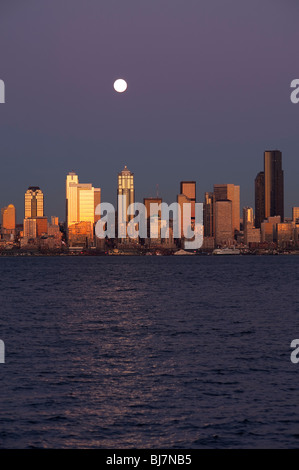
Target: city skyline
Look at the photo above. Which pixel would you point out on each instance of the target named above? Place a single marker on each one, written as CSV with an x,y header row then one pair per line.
x,y
217,222
220,222
221,191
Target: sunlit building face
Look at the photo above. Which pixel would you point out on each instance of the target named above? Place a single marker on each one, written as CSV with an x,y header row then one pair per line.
x,y
8,217
34,202
81,203
71,198
81,200
125,188
188,188
230,192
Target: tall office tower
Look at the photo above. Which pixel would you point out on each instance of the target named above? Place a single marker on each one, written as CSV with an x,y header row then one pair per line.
x,y
251,234
188,188
8,218
125,188
85,203
81,201
296,215
34,202
224,226
209,215
274,186
71,198
231,193
259,199
153,216
247,216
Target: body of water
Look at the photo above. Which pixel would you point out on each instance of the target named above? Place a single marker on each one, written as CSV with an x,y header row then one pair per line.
x,y
149,352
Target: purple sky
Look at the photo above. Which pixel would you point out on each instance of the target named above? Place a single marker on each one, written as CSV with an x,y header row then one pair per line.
x,y
208,92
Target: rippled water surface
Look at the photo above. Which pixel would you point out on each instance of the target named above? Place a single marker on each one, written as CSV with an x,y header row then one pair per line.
x,y
149,352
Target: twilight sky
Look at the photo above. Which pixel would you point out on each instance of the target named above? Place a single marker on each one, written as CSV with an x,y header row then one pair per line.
x,y
208,92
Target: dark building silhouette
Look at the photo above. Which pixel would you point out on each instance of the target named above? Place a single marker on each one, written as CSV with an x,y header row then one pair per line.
x,y
209,215
259,199
274,187
269,188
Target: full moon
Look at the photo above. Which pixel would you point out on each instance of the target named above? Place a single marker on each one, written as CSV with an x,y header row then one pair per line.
x,y
120,85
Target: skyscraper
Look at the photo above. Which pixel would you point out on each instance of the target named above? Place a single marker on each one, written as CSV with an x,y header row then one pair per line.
x,y
259,199
224,226
230,192
81,200
209,215
247,216
153,216
125,188
71,198
274,186
269,188
34,202
8,216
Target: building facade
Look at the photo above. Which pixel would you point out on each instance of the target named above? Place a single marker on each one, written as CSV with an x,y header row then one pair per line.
x,y
224,233
230,192
274,184
125,197
81,202
259,186
209,215
8,219
34,202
